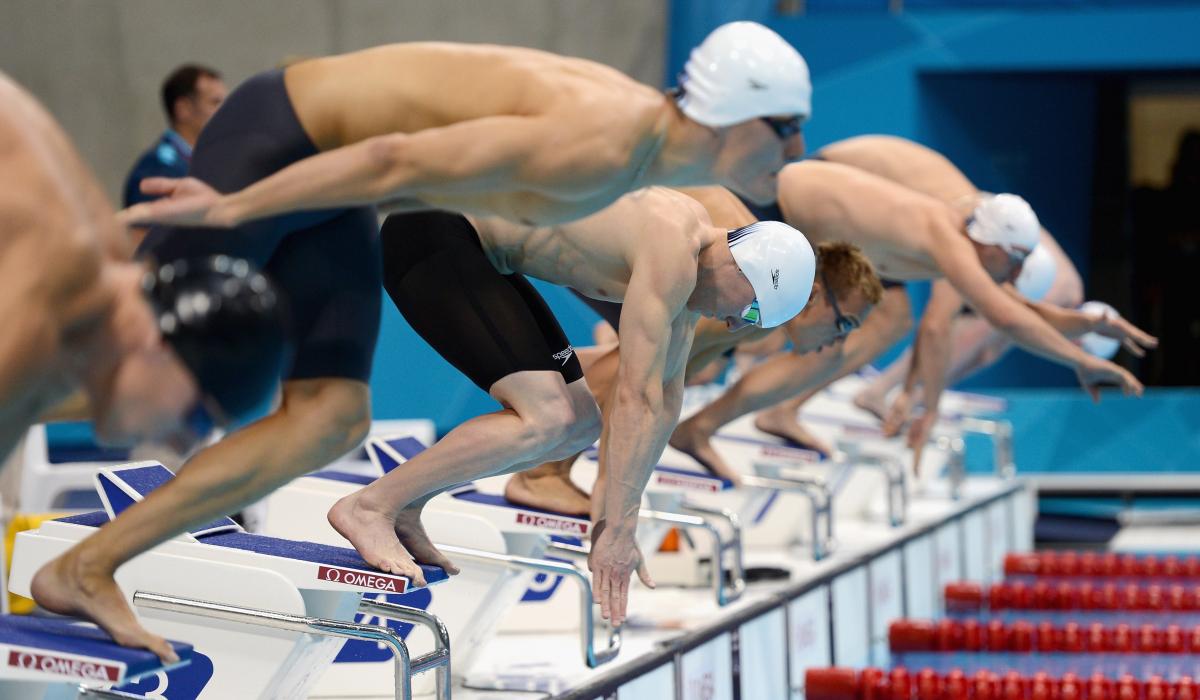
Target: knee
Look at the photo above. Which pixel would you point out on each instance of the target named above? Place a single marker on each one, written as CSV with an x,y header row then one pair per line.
x,y
334,414
561,425
586,427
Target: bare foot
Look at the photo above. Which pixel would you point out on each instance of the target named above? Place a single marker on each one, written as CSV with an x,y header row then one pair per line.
x,y
872,403
372,532
785,426
697,444
553,492
412,535
68,586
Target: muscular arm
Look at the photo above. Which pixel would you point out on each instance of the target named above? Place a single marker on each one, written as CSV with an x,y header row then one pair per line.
x,y
493,154
655,336
958,261
644,406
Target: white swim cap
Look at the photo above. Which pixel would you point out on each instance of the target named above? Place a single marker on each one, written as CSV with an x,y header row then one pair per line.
x,y
743,71
1004,220
1037,274
1093,343
780,265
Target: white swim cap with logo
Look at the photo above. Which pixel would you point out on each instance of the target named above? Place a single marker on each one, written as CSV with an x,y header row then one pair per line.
x,y
1005,220
1093,343
744,71
780,265
1037,274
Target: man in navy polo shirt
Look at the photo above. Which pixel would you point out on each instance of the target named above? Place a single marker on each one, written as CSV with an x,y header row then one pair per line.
x,y
190,95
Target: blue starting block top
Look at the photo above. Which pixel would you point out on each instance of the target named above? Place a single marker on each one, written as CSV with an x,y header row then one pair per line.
x,y
695,474
347,477
495,499
787,445
51,642
135,483
381,450
312,552
123,487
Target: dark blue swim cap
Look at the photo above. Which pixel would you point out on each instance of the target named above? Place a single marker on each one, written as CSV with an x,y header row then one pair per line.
x,y
227,323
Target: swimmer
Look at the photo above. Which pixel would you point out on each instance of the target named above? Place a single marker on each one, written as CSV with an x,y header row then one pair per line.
x,y
1047,275
1051,286
529,136
492,130
845,287
154,365
460,283
907,235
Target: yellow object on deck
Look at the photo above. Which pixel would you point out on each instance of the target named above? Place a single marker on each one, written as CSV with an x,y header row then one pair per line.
x,y
20,605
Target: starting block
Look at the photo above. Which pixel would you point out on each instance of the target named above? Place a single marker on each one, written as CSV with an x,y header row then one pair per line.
x,y
50,658
266,614
504,553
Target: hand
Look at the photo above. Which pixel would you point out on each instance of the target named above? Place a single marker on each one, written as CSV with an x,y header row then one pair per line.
x,y
897,414
1133,338
614,557
185,202
918,435
1096,371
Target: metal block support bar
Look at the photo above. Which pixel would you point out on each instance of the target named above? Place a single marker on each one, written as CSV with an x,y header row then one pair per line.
x,y
292,623
106,694
893,470
437,660
1001,434
956,466
591,656
737,568
820,498
723,594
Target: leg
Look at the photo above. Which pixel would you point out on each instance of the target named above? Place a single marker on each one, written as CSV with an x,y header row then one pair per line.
x,y
549,485
764,385
786,375
317,421
498,331
539,419
886,325
873,397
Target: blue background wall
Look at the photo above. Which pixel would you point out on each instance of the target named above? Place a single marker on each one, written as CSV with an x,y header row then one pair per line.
x,y
1006,89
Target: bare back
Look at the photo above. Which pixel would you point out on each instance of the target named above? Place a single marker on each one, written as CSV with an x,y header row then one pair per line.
x,y
591,122
925,170
831,202
596,255
908,163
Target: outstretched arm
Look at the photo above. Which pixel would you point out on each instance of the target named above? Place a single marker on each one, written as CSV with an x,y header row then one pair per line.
x,y
489,154
1072,324
958,261
644,406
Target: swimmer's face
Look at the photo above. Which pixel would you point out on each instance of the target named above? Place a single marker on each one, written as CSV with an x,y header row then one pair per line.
x,y
722,292
147,401
752,154
147,394
1000,265
817,327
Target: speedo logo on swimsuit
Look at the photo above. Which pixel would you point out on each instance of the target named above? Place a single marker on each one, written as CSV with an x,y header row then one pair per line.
x,y
549,523
362,579
564,355
63,666
775,278
687,483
